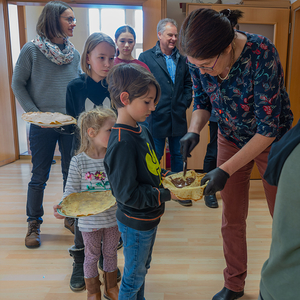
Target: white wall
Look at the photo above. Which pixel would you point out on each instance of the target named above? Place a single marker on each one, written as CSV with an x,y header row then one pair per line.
x,y
174,11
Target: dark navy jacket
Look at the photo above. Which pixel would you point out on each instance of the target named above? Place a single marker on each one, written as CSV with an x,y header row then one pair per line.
x,y
279,153
169,117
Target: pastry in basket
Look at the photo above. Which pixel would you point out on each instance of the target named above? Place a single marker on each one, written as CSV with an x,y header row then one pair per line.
x,y
185,188
48,118
87,203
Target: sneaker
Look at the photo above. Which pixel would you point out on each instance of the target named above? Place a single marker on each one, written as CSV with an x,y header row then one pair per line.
x,y
185,202
32,239
69,224
211,201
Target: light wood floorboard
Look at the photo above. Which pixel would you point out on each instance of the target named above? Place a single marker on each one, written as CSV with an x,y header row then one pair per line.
x,y
187,259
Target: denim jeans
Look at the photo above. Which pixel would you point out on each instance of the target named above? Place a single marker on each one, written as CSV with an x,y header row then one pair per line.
x,y
174,146
42,145
137,250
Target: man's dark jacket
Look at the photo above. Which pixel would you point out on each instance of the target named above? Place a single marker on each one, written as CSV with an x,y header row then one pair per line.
x,y
169,117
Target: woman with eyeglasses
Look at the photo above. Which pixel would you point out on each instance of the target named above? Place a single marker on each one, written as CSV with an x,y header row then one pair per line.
x,y
240,77
43,70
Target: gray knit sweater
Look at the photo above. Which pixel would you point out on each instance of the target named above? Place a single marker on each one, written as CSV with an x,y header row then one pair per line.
x,y
39,84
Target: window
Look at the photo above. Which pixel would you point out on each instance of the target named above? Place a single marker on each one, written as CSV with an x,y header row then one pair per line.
x,y
108,20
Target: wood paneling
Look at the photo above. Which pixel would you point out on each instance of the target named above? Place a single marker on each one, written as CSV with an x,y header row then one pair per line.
x,y
8,137
279,17
22,26
152,11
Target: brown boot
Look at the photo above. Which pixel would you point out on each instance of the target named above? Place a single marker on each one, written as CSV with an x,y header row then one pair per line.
x,y
32,239
111,289
69,224
92,286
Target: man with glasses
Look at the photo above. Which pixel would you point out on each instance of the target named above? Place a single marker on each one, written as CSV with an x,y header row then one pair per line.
x,y
172,73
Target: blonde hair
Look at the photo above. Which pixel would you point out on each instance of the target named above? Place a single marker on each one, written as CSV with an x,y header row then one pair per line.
x,y
91,43
95,119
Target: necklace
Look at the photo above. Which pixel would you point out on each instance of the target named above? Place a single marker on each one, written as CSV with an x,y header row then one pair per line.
x,y
231,64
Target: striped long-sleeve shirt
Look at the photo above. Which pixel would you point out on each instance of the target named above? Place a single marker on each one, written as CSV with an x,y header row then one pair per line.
x,y
81,178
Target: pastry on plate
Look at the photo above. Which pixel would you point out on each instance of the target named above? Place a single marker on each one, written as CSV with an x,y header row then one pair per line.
x,y
86,203
186,187
48,119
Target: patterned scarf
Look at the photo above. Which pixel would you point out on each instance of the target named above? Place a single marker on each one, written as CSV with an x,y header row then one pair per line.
x,y
52,51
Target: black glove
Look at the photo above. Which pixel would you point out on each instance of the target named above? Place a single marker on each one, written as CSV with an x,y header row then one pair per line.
x,y
187,143
217,180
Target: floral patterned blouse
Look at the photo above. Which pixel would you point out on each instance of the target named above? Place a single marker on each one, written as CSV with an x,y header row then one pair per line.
x,y
252,99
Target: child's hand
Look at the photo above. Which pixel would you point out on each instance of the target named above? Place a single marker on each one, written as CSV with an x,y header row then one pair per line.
x,y
173,196
55,213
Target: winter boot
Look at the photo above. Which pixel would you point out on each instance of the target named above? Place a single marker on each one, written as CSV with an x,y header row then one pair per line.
x,y
33,239
111,289
93,288
100,266
77,278
69,224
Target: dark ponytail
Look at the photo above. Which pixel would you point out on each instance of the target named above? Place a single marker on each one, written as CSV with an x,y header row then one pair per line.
x,y
205,33
232,15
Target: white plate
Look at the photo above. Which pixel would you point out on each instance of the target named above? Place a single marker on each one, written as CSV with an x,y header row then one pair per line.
x,y
109,205
44,119
51,125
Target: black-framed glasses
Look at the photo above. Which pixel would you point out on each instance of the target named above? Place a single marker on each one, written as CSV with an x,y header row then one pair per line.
x,y
193,67
71,20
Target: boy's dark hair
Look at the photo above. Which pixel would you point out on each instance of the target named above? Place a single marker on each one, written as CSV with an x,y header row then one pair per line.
x,y
205,33
48,24
131,78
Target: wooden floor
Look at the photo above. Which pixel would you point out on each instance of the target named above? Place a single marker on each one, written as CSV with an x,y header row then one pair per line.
x,y
187,258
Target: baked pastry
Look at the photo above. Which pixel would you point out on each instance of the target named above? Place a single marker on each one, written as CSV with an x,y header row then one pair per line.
x,y
50,119
86,203
185,188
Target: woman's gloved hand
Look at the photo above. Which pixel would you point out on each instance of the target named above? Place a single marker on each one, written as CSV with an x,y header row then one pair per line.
x,y
187,143
217,180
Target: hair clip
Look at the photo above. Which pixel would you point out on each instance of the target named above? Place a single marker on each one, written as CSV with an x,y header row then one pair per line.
x,y
229,13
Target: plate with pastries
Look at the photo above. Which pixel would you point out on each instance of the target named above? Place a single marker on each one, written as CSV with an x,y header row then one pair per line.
x,y
48,119
86,203
186,187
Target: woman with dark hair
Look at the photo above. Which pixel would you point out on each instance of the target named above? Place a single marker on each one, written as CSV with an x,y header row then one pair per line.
x,y
240,77
44,68
125,38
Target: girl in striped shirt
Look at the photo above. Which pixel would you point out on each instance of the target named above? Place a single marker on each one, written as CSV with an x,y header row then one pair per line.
x,y
87,172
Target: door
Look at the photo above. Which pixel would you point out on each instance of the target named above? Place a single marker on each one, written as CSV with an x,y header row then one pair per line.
x,y
8,141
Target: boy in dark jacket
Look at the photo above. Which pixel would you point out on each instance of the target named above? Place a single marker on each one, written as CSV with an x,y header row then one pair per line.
x,y
134,172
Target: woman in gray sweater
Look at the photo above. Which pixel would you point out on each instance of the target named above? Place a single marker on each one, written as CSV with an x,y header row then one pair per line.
x,y
44,68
